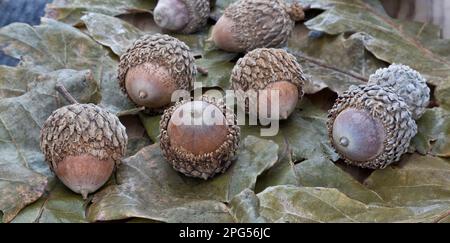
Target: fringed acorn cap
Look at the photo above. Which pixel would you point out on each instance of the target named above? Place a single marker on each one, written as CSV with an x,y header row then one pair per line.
x,y
263,66
199,11
163,60
261,23
205,145
370,126
270,69
407,83
182,16
83,144
83,129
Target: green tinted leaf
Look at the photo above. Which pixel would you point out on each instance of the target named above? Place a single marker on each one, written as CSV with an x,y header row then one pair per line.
x,y
303,136
386,38
318,204
418,181
70,11
219,65
14,81
443,95
60,205
54,45
283,173
245,208
151,124
333,62
324,173
434,133
112,32
319,172
148,187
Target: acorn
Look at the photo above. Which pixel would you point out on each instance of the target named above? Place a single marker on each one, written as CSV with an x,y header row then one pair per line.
x,y
407,83
370,126
182,16
83,144
199,138
266,69
250,24
153,68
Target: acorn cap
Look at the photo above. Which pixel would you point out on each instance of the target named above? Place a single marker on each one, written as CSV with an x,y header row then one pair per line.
x,y
199,11
370,126
407,83
79,129
201,149
160,50
262,23
263,67
83,144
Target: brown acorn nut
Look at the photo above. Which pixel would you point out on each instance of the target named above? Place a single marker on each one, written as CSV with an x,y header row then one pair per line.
x,y
250,24
83,143
199,138
153,68
266,69
370,126
182,16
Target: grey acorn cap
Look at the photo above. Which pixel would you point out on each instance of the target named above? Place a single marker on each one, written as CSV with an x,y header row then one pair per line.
x,y
79,129
407,83
384,104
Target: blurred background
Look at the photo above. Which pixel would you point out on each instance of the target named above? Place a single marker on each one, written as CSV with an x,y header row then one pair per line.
x,y
429,11
25,11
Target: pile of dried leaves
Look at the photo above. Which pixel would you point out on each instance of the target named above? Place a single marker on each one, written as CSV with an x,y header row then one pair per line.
x,y
292,177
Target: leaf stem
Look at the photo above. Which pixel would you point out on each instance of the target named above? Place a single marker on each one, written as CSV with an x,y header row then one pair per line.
x,y
130,112
323,64
63,91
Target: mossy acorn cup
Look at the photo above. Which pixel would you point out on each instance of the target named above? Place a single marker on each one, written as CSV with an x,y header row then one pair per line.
x,y
407,83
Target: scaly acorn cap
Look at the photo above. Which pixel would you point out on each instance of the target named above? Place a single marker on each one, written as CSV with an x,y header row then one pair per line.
x,y
83,131
263,67
257,24
406,82
182,16
157,50
370,126
202,147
